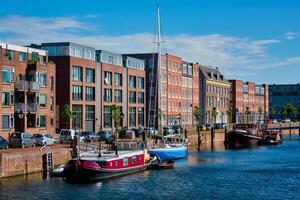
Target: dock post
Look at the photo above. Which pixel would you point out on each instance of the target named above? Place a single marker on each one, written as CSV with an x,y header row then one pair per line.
x,y
290,130
212,138
199,138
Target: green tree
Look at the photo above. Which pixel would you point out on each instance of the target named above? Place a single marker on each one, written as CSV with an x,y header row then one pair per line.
x,y
66,115
116,116
214,114
229,114
247,113
291,110
197,112
272,112
260,111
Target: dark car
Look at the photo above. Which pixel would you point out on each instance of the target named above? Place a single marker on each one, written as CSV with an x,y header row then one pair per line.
x,y
21,139
218,126
209,126
90,136
138,132
105,135
177,129
3,143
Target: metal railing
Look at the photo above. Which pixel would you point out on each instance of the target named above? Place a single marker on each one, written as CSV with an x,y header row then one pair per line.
x,y
32,107
20,107
22,85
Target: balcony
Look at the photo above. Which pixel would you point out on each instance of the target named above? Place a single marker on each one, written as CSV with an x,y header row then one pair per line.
x,y
33,86
32,107
22,85
20,107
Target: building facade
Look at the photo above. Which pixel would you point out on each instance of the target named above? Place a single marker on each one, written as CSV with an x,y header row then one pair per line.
x,y
249,101
172,90
282,94
76,83
28,90
214,95
123,84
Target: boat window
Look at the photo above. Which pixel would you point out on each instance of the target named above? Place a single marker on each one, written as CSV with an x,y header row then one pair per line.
x,y
125,161
133,159
116,163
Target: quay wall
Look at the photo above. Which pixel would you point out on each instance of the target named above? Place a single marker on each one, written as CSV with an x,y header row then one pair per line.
x,y
219,137
13,164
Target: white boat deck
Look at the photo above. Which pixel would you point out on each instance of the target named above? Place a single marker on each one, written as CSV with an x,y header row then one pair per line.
x,y
108,155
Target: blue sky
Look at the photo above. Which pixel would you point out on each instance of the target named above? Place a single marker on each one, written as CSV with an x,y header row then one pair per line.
x,y
256,40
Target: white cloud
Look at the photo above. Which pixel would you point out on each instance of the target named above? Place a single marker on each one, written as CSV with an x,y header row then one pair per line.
x,y
290,35
235,56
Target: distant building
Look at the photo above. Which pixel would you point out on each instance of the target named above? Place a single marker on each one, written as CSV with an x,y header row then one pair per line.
x,y
28,90
214,93
251,95
174,89
282,94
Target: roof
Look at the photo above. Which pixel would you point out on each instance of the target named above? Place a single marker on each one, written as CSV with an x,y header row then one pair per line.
x,y
211,73
65,44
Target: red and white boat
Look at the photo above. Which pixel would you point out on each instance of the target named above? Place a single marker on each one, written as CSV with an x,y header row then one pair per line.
x,y
108,164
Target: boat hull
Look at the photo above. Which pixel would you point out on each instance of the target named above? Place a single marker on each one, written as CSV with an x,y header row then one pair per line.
x,y
75,171
169,153
241,140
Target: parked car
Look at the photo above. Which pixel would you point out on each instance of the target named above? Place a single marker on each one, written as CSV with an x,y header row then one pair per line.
x,y
105,135
260,122
218,126
3,143
274,120
43,139
177,129
168,130
130,134
90,136
151,131
138,132
67,135
270,121
21,139
286,120
209,126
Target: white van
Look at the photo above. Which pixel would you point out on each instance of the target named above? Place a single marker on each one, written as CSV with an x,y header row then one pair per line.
x,y
67,135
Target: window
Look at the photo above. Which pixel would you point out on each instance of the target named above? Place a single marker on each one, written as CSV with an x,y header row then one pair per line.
x,y
107,78
51,121
5,122
141,97
107,95
22,56
42,121
125,161
132,81
77,116
32,121
118,79
42,100
51,104
43,60
7,75
141,82
52,83
34,55
12,120
42,79
107,117
132,116
90,112
11,53
132,97
90,94
134,159
141,116
7,98
118,96
77,92
90,75
76,73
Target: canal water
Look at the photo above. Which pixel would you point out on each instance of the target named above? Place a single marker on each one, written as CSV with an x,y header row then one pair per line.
x,y
270,172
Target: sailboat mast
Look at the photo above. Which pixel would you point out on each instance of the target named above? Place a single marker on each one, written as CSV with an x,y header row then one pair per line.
x,y
159,42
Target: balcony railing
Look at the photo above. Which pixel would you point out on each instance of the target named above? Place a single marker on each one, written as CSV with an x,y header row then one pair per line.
x,y
32,107
22,85
34,86
20,107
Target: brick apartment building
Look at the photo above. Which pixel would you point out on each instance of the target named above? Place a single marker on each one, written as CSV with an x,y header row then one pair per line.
x,y
251,95
170,89
28,90
122,83
75,82
214,93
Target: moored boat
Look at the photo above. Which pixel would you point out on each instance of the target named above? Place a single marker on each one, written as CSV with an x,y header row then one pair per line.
x,y
94,166
242,136
271,137
164,165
